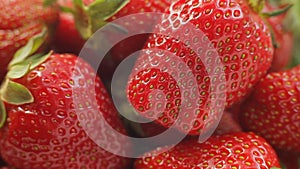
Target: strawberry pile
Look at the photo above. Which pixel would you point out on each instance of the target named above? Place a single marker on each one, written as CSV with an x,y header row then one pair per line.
x,y
223,74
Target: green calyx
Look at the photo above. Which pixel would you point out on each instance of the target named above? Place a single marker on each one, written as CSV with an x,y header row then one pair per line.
x,y
15,93
49,3
2,113
32,46
23,61
92,17
256,5
278,12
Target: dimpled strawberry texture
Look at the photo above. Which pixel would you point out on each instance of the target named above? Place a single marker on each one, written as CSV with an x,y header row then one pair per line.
x,y
234,151
273,109
19,21
241,40
47,133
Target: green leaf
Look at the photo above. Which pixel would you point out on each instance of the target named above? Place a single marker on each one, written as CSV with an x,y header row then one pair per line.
x,y
37,59
278,12
66,9
18,71
48,3
83,21
92,17
21,69
32,46
2,113
104,9
256,5
15,93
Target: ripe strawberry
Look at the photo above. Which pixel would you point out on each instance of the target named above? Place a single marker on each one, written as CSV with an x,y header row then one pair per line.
x,y
239,150
243,44
283,39
228,124
272,111
71,33
67,39
289,160
19,21
50,110
67,27
5,167
124,48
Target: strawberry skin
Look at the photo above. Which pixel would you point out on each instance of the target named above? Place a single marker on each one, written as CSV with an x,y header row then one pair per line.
x,y
282,37
289,160
19,21
124,48
67,39
236,151
228,124
47,134
273,109
241,40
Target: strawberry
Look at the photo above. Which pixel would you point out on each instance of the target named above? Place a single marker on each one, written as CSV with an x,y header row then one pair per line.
x,y
239,150
283,39
51,105
5,167
289,160
67,28
272,110
231,30
134,43
228,124
19,21
67,39
74,29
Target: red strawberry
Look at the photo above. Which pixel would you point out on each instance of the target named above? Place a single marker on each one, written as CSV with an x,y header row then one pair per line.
x,y
283,39
50,110
289,160
239,150
126,47
67,29
67,38
71,33
272,111
228,124
19,21
5,167
239,36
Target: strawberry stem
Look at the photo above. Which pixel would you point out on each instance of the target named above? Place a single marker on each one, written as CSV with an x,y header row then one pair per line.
x,y
256,5
92,17
2,114
278,12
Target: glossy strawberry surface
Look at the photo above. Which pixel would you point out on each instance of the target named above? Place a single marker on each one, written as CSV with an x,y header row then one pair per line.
x,y
237,151
232,34
273,109
19,21
53,132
